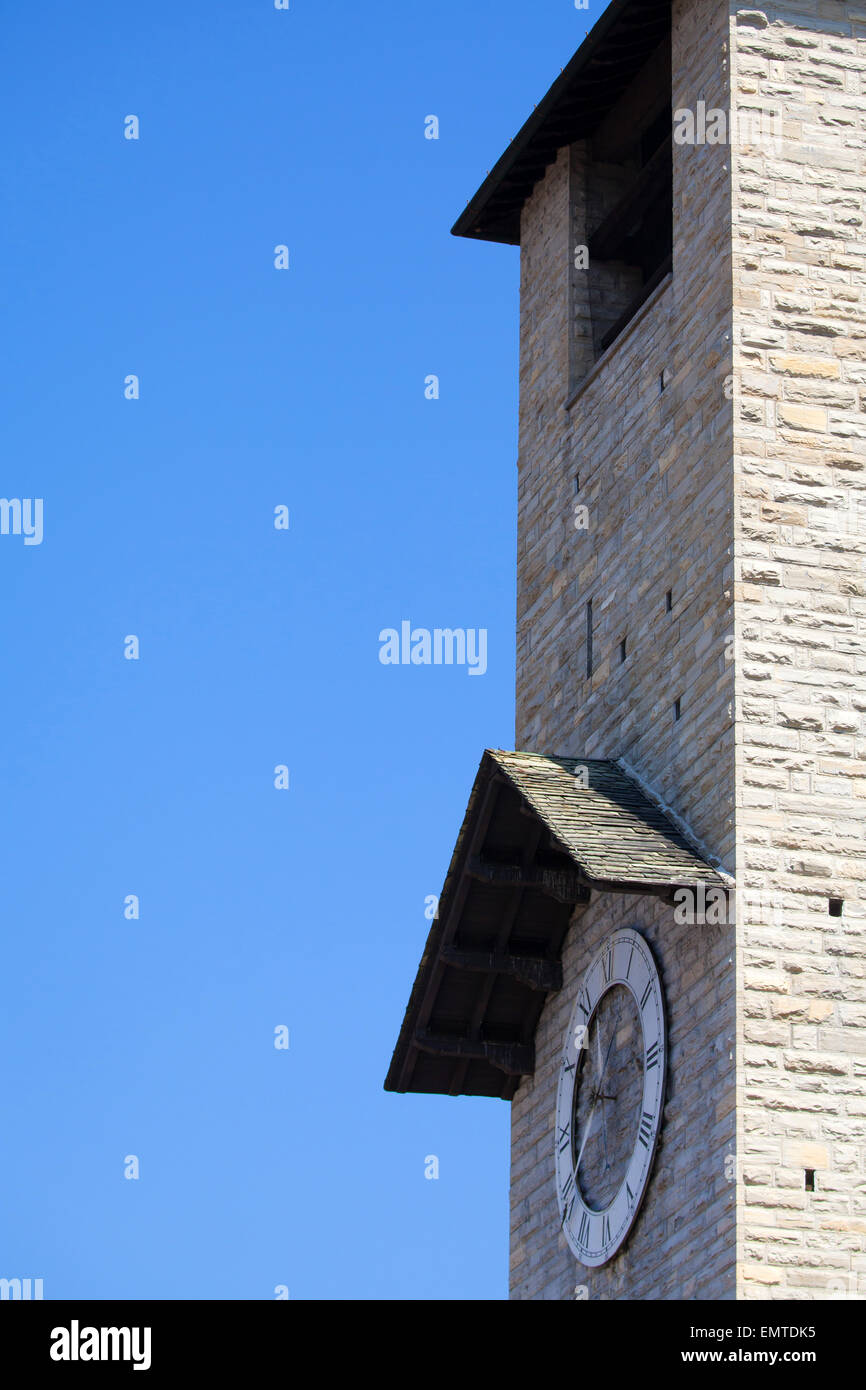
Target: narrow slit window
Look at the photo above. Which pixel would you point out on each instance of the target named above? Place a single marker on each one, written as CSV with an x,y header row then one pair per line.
x,y
678,709
589,639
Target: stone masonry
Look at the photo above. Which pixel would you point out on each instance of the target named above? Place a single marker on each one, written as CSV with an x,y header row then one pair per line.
x,y
719,445
799,385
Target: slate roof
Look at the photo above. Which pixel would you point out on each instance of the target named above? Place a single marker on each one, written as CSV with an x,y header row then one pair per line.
x,y
534,844
614,833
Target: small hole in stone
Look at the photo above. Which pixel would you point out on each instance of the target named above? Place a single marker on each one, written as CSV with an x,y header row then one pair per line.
x,y
835,907
622,651
677,709
669,600
577,482
810,1179
661,382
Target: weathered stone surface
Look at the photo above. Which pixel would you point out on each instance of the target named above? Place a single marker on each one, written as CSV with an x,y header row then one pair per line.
x,y
817,1117
745,505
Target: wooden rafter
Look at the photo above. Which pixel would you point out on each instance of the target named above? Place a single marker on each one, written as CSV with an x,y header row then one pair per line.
x,y
566,885
536,972
512,1058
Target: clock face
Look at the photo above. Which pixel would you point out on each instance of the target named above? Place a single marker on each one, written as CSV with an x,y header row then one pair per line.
x,y
610,1097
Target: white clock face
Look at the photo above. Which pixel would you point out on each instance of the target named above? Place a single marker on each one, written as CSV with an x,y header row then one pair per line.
x,y
610,1097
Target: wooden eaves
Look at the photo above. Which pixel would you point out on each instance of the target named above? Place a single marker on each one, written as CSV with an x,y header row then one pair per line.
x,y
609,58
540,835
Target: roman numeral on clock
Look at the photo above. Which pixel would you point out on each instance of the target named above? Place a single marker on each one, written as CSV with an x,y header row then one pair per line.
x,y
652,1056
605,1229
606,966
568,1194
583,1232
565,1137
646,1128
630,1195
646,994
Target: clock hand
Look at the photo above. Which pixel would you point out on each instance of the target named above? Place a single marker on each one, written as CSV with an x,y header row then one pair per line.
x,y
599,1096
609,1046
607,1054
597,1093
586,1136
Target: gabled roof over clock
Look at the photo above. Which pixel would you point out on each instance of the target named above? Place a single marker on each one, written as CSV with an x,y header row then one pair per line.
x,y
615,49
539,835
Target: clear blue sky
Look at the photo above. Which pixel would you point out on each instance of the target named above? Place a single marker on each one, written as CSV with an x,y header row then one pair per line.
x,y
154,777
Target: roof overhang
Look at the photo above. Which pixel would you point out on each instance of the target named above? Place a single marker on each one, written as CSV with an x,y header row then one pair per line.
x,y
614,51
539,836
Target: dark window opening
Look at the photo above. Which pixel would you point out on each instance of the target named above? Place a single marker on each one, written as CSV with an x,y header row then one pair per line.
x,y
669,600
657,131
677,707
810,1179
622,651
629,201
577,482
589,638
835,907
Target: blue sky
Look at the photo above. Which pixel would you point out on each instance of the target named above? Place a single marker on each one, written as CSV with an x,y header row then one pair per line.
x,y
155,777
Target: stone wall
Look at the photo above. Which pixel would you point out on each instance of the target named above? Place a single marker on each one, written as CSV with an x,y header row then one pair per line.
x,y
800,458
650,433
656,476
682,1244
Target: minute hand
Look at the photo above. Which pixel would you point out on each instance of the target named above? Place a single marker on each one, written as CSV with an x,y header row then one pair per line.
x,y
607,1056
597,1095
587,1134
598,1091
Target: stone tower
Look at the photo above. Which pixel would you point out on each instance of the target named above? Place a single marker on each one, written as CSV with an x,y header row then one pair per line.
x,y
691,673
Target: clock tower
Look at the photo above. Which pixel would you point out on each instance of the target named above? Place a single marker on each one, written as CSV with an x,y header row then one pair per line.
x,y
651,937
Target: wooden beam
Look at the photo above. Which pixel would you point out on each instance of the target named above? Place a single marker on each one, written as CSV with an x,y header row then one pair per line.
x,y
515,1059
509,917
606,242
533,971
650,92
566,885
489,799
